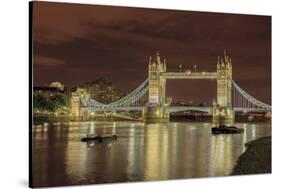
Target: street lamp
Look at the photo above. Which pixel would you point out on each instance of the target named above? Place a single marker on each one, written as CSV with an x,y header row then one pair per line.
x,y
180,66
195,67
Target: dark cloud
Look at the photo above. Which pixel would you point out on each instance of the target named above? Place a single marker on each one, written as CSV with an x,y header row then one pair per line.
x,y
47,61
116,42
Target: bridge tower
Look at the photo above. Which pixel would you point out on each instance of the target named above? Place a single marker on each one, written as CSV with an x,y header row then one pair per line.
x,y
222,109
155,108
75,105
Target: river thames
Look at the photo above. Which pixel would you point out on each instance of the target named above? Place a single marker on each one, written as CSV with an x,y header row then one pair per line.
x,y
142,152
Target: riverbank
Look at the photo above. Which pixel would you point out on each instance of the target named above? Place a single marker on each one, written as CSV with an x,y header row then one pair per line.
x,y
52,118
256,159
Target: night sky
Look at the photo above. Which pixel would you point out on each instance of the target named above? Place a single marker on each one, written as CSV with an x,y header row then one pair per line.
x,y
75,43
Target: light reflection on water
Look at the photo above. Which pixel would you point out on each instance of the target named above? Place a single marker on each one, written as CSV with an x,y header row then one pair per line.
x,y
141,152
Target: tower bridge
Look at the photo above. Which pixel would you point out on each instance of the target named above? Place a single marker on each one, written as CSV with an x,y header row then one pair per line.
x,y
230,97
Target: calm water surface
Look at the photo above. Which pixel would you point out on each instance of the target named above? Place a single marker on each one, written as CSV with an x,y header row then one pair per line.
x,y
142,152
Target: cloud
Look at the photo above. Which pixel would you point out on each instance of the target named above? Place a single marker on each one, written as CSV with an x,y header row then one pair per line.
x,y
76,43
48,61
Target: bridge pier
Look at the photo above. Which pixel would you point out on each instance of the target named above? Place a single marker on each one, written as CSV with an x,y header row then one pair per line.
x,y
223,115
155,114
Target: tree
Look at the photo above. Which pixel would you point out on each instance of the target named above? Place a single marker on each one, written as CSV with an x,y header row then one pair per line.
x,y
50,103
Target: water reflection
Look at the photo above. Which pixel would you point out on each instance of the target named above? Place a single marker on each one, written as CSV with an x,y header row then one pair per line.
x,y
141,152
222,155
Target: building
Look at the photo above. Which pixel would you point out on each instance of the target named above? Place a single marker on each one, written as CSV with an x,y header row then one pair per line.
x,y
47,91
101,90
57,85
54,88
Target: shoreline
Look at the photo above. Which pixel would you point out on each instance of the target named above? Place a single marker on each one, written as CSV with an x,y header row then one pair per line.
x,y
42,118
256,159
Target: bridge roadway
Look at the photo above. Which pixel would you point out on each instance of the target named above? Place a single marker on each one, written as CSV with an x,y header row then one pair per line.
x,y
172,109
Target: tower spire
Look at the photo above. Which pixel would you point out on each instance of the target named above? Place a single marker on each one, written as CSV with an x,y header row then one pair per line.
x,y
158,57
218,63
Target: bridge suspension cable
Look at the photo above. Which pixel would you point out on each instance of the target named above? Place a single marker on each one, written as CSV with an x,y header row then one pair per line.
x,y
128,99
242,99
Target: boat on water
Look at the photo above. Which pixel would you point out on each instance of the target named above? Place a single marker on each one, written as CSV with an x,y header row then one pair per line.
x,y
98,138
223,129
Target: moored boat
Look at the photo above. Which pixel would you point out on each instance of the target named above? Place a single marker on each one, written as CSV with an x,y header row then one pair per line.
x,y
98,138
223,129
